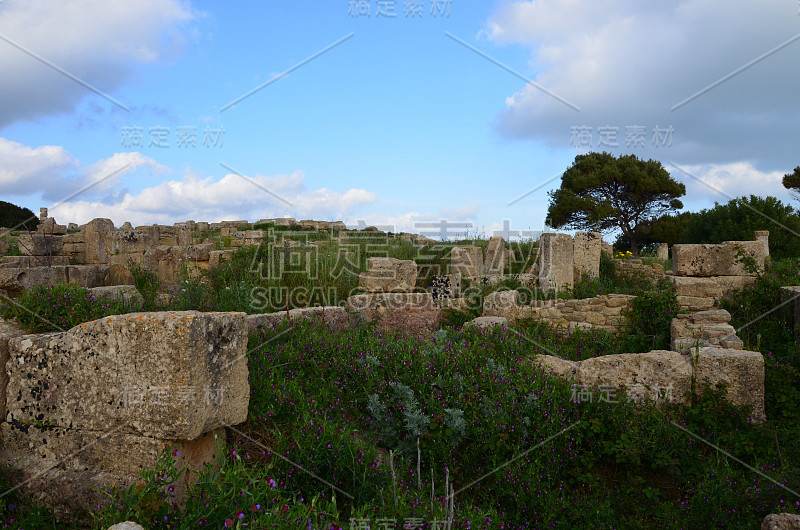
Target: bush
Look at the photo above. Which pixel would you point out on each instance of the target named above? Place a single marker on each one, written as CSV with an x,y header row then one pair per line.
x,y
59,307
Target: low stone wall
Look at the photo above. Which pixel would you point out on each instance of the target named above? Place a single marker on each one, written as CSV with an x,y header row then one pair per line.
x,y
96,404
408,313
636,268
666,376
703,328
606,312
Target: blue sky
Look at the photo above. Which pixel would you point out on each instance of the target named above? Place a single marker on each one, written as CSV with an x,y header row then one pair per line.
x,y
402,122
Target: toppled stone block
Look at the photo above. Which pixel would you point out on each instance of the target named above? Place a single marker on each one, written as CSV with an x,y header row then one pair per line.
x,y
556,365
467,261
502,304
388,275
556,268
717,260
658,375
741,371
127,293
216,257
408,313
88,275
486,322
334,317
164,375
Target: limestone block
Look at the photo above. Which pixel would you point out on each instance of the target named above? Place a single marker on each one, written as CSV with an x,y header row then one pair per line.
x,y
662,252
98,236
497,256
127,525
164,375
388,275
586,252
487,322
127,293
556,365
698,287
40,244
8,330
740,370
556,268
468,261
14,262
695,303
763,237
716,260
88,275
216,257
408,313
781,521
67,468
15,280
335,317
656,375
501,304
715,316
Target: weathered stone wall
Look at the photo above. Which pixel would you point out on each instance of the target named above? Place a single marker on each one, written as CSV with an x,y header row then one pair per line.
x,y
637,268
703,328
467,261
606,312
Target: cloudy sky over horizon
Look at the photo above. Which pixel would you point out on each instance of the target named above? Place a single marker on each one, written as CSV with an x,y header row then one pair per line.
x,y
391,112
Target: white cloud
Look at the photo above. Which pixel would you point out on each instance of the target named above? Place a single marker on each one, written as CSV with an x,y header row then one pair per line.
x,y
723,182
626,63
216,199
98,41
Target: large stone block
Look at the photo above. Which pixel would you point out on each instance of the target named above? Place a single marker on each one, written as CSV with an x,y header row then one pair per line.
x,y
334,317
388,275
126,293
586,254
556,268
88,275
497,256
717,260
98,236
17,280
67,469
741,371
407,313
657,375
19,262
8,331
164,375
467,261
502,304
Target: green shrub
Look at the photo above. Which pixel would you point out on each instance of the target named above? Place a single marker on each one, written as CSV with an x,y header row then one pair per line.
x,y
59,307
147,283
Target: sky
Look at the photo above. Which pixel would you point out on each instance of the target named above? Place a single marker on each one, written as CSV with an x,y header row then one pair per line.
x,y
400,114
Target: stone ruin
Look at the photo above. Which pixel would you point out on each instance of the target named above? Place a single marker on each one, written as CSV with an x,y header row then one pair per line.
x,y
96,404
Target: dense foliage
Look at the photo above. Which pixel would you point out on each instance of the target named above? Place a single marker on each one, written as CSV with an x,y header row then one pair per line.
x,y
16,217
602,192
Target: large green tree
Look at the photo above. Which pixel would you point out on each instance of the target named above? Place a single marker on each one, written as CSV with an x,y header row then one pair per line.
x,y
668,229
13,216
602,192
791,181
740,217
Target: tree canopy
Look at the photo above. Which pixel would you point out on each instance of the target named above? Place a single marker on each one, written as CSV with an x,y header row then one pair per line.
x,y
740,217
602,192
791,181
13,216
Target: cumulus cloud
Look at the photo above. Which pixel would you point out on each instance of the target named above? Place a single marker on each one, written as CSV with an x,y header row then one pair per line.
x,y
98,41
230,197
723,182
626,63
